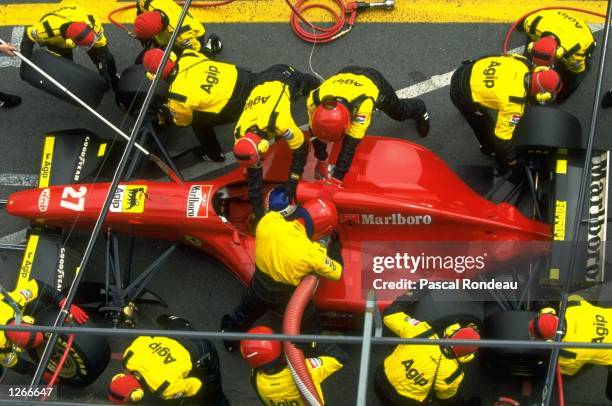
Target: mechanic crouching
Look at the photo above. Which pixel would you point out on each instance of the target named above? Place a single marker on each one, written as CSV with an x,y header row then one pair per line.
x,y
341,109
203,93
561,40
11,306
584,322
266,117
290,242
271,378
156,20
491,93
419,374
169,368
66,28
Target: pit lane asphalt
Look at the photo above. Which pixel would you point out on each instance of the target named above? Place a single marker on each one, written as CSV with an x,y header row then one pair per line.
x,y
199,289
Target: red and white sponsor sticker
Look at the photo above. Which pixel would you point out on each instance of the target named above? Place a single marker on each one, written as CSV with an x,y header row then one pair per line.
x,y
198,200
315,362
43,200
360,118
514,120
412,321
349,217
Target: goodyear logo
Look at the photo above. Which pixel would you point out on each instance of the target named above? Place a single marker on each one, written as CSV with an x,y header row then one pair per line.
x,y
560,214
129,199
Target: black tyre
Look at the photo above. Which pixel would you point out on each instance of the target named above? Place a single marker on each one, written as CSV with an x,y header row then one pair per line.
x,y
88,85
132,89
442,308
545,128
512,325
88,356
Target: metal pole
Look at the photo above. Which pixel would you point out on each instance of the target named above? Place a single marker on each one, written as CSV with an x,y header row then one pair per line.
x,y
364,366
69,93
46,356
552,365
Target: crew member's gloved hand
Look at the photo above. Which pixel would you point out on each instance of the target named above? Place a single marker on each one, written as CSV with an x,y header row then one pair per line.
x,y
329,188
164,116
76,312
321,170
290,188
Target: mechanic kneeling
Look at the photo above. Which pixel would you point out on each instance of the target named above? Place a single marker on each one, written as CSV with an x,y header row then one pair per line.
x,y
491,93
290,243
203,93
417,374
584,322
156,20
266,117
271,378
169,368
343,105
11,341
66,28
561,40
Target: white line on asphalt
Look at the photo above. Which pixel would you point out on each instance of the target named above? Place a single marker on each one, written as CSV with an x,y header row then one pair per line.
x,y
18,179
17,237
16,36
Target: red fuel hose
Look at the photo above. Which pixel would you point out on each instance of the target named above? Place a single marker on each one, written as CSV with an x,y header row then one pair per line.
x,y
318,34
560,386
129,6
62,360
517,22
291,325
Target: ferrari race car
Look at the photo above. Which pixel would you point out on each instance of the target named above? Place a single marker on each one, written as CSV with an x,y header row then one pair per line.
x,y
395,192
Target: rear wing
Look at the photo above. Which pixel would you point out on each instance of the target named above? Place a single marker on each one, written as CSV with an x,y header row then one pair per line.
x,y
591,254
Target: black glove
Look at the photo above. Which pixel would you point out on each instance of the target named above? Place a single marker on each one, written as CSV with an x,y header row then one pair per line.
x,y
334,249
290,188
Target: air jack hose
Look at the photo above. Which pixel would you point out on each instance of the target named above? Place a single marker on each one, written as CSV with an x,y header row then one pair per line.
x,y
291,326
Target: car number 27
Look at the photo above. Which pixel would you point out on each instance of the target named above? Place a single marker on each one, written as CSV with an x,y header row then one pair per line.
x,y
73,199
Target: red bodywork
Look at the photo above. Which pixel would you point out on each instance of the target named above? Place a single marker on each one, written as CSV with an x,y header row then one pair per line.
x,y
389,177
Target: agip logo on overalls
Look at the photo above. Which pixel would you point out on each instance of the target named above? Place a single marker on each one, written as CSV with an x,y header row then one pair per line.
x,y
129,199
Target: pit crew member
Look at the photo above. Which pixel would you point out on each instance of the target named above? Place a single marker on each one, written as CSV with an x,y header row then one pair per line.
x,y
169,368
343,105
289,244
584,322
203,93
156,20
491,93
66,28
560,39
266,117
270,376
416,374
11,307
8,101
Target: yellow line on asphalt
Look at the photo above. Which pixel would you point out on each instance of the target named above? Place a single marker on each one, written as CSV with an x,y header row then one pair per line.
x,y
272,11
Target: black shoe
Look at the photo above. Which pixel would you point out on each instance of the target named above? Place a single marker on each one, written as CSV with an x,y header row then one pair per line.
x,y
167,320
606,102
486,151
213,45
422,120
228,325
8,101
214,156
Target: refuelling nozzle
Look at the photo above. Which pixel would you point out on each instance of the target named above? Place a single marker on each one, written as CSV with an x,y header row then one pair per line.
x,y
386,4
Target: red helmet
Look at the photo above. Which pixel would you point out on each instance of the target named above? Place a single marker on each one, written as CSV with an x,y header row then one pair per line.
x,y
258,353
249,149
149,24
151,60
24,339
544,51
543,326
465,333
321,218
81,34
330,120
545,81
125,388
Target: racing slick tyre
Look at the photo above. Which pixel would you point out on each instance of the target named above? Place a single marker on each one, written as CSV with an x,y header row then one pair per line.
x,y
441,308
132,89
545,128
512,325
87,85
87,358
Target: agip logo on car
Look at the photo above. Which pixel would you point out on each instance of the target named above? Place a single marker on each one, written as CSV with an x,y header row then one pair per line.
x,y
198,200
129,199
